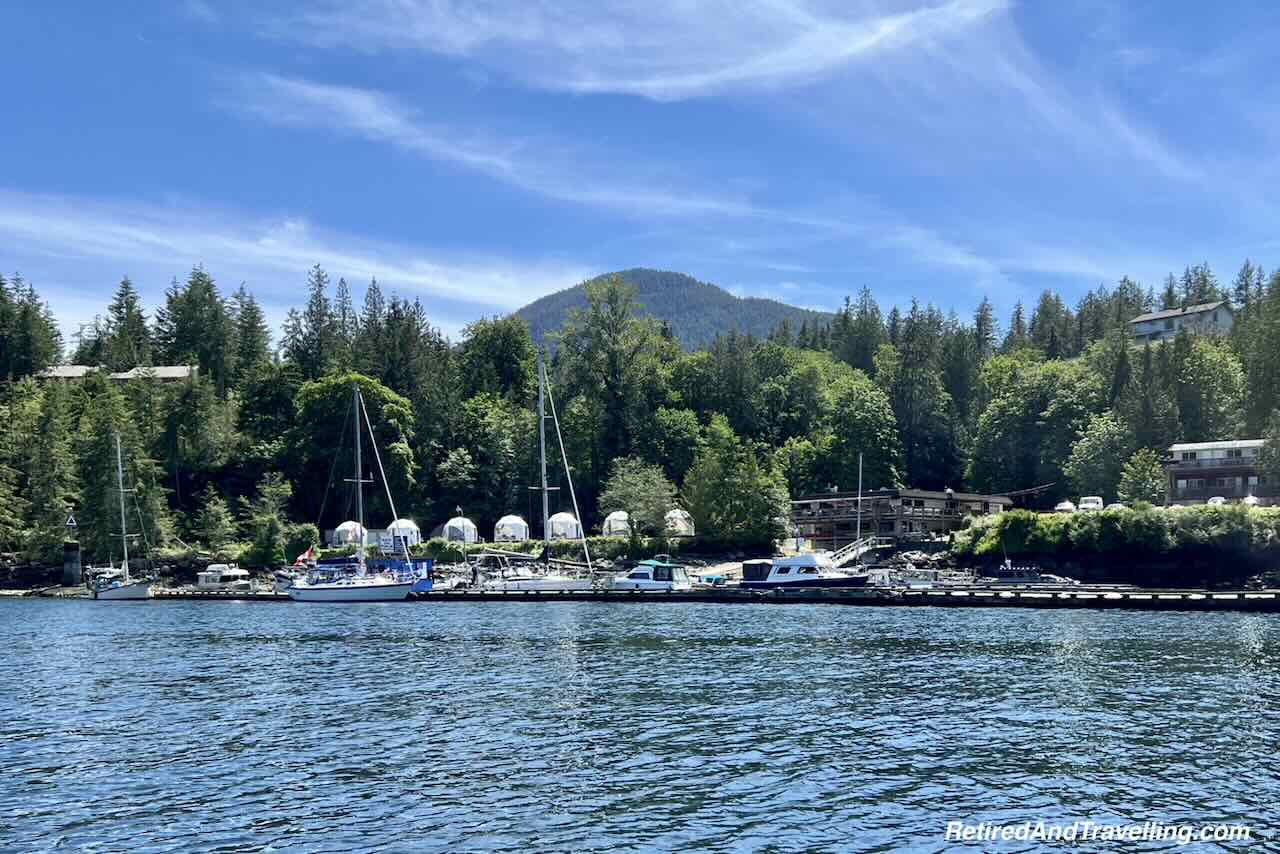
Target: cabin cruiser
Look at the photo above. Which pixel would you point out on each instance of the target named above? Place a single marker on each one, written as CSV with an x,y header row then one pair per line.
x,y
224,577
799,572
654,574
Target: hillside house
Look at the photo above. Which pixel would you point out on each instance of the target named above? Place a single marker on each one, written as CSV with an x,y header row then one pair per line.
x,y
1198,471
1210,318
830,520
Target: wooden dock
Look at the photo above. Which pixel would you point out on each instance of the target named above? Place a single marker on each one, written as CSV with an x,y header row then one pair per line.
x,y
952,597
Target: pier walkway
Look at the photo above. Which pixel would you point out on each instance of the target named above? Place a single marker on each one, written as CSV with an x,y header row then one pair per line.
x,y
951,597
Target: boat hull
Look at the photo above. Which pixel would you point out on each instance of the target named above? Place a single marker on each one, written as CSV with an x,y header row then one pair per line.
x,y
807,584
136,590
350,592
539,585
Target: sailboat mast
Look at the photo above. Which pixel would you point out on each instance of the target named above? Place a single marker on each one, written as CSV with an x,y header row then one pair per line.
x,y
355,423
124,526
542,444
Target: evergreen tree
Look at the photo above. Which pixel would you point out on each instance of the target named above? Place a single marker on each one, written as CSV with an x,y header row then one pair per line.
x,y
984,330
1017,338
252,337
128,343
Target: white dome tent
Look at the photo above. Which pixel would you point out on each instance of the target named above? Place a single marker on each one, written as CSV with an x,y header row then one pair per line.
x,y
563,526
511,529
406,530
349,533
679,523
460,529
617,524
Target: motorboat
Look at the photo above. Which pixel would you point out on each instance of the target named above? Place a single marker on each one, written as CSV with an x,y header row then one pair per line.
x,y
118,584
223,577
798,572
653,574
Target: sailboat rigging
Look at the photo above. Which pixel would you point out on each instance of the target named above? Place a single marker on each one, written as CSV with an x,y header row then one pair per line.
x,y
351,581
119,584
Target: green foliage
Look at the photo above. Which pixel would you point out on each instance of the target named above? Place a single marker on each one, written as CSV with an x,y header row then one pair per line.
x,y
861,421
214,525
1098,457
1141,531
1142,479
732,495
642,491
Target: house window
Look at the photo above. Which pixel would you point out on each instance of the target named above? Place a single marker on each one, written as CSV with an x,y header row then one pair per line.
x,y
1168,324
1182,485
1234,453
1215,317
1188,456
1253,480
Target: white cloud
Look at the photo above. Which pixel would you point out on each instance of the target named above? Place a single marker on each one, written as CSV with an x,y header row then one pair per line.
x,y
64,239
665,50
556,171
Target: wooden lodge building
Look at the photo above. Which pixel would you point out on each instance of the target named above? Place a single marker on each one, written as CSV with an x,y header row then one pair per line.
x,y
830,520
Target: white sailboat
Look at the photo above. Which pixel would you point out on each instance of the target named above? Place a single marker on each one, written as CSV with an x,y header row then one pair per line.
x,y
352,581
118,584
525,579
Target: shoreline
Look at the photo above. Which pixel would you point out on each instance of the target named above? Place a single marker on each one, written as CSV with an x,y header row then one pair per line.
x,y
1081,598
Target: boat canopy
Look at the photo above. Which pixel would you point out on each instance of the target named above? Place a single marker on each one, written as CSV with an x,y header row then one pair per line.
x,y
460,529
511,529
563,526
679,523
616,524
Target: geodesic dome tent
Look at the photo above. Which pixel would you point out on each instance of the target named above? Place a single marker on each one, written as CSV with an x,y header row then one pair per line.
x,y
407,530
460,529
616,524
349,533
679,523
563,526
511,529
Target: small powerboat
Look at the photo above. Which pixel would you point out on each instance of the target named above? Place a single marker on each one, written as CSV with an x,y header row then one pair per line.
x,y
653,574
800,572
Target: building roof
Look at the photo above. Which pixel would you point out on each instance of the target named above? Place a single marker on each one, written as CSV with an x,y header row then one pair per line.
x,y
1180,312
160,372
1231,444
79,372
67,372
907,493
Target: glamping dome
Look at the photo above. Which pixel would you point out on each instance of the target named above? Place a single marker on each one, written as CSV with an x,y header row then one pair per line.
x,y
511,529
616,524
679,523
563,526
349,533
460,529
407,530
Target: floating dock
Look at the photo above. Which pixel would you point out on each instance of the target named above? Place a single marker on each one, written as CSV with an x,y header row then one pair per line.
x,y
947,597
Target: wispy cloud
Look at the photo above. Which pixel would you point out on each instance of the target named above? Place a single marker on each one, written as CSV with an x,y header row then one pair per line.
x,y
665,50
152,243
559,172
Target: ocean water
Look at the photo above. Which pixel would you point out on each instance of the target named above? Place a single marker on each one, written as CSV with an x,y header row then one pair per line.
x,y
172,726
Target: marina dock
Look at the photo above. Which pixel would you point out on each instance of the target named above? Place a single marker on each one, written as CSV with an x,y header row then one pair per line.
x,y
958,597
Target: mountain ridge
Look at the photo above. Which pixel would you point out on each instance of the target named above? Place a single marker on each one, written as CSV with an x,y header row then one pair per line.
x,y
696,311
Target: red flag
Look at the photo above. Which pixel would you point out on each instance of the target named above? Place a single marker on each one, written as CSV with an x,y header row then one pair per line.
x,y
303,558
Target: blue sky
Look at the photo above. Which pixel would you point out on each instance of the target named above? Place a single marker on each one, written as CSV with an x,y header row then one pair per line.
x,y
479,155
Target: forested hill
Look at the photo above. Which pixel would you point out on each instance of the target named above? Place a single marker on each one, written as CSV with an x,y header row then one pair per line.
x,y
697,311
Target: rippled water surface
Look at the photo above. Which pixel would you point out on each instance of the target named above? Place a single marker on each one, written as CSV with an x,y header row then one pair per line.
x,y
172,726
